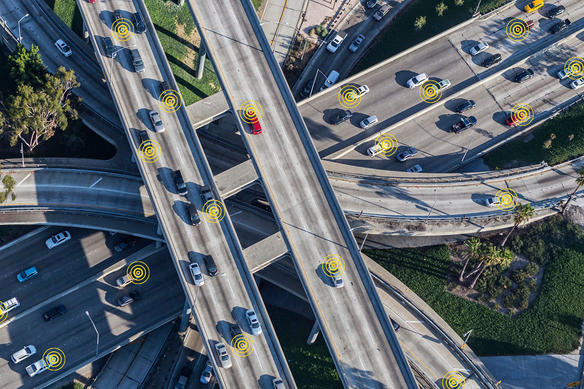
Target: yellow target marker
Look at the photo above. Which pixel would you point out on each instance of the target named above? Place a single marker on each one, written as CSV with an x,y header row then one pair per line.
x,y
138,272
122,29
387,143
333,266
149,151
249,110
430,92
3,312
506,199
242,345
523,114
54,358
453,380
349,96
214,211
574,68
517,29
170,101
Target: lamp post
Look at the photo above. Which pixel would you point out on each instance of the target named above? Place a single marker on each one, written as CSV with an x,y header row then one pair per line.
x,y
431,209
20,20
97,333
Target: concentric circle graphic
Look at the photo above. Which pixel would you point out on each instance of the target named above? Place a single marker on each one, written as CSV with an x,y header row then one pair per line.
x,y
138,272
349,96
169,101
214,211
242,345
574,68
333,266
122,29
517,29
523,114
430,91
54,358
3,312
387,143
506,199
149,151
249,110
453,380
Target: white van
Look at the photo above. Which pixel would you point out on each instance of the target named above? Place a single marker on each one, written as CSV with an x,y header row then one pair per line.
x,y
11,304
23,353
331,79
374,150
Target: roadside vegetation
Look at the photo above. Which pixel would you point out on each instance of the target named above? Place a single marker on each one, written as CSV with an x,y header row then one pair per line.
x,y
68,12
554,141
532,306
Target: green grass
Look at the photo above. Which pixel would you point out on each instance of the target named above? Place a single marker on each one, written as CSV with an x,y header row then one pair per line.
x,y
569,124
257,4
72,385
312,366
69,13
551,325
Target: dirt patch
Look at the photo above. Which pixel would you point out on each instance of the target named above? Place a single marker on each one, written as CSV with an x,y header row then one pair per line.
x,y
193,38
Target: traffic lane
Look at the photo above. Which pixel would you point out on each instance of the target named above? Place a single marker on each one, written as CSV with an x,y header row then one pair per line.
x,y
73,333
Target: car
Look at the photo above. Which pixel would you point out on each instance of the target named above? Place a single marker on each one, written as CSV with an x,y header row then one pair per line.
x,y
444,84
109,47
123,280
207,373
530,24
465,106
117,15
206,194
36,368
252,319
490,201
463,123
23,353
374,150
195,271
27,274
491,60
222,357
356,43
156,122
277,383
330,80
338,281
363,90
58,239
139,25
54,312
512,120
414,169
137,62
210,265
336,42
63,48
254,124
10,304
407,154
164,86
235,330
194,217
128,299
179,183
560,26
372,3
307,89
368,121
417,80
524,75
577,83
124,244
381,12
181,383
394,324
91,1
555,11
533,6
143,136
565,73
478,48
342,116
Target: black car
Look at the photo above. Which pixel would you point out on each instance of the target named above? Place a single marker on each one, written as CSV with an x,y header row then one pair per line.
x,y
306,91
235,330
117,15
524,75
463,123
560,26
164,86
139,25
210,264
181,188
463,107
493,59
109,47
194,215
557,10
342,116
54,312
143,136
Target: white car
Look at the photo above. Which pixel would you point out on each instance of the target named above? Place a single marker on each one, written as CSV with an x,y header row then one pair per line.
x,y
335,43
479,48
63,48
577,83
58,239
252,320
278,383
195,270
10,304
417,80
207,373
564,73
338,282
356,43
23,353
361,91
36,368
415,169
222,356
369,121
156,122
444,84
491,201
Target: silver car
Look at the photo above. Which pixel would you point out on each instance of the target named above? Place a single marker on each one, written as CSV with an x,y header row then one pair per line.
x,y
252,320
367,122
222,356
156,122
23,353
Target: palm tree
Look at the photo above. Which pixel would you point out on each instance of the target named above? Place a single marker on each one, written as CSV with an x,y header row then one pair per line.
x,y
473,251
522,214
579,183
493,255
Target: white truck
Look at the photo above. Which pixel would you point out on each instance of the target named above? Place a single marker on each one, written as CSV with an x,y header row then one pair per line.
x,y
11,304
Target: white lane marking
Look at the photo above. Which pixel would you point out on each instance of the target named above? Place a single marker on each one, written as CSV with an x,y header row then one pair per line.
x,y
24,179
96,182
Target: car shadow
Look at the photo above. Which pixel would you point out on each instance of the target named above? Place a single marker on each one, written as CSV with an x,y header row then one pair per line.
x,y
467,44
500,116
402,77
480,58
165,177
320,273
480,198
152,86
180,208
445,122
510,74
453,103
238,315
142,115
222,328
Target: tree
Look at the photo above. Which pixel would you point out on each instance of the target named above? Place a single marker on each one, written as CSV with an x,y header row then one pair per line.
x,y
441,8
473,251
458,3
521,214
27,66
492,255
33,114
420,22
579,183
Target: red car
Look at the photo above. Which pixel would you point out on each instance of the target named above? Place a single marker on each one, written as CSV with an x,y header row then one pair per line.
x,y
255,125
91,1
512,120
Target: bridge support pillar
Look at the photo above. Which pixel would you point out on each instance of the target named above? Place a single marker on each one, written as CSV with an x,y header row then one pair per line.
x,y
201,61
313,333
185,316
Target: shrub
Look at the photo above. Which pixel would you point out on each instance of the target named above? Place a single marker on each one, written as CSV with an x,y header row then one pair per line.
x,y
518,276
508,301
493,289
420,22
522,292
532,285
505,282
441,8
531,269
458,3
